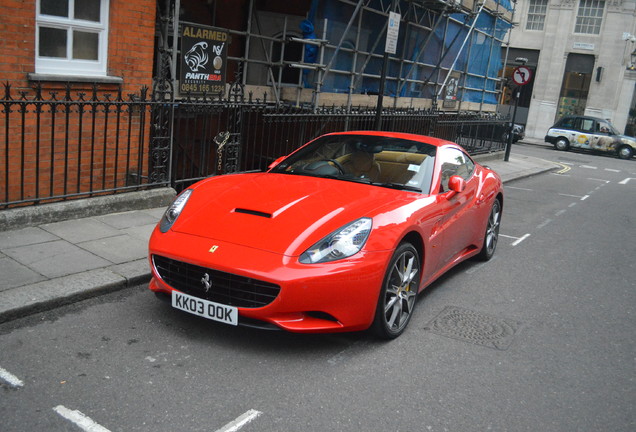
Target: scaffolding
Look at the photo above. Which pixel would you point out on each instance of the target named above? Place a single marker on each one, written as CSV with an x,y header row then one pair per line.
x,y
338,49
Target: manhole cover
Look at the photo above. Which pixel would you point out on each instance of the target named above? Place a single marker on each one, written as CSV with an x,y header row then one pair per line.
x,y
474,327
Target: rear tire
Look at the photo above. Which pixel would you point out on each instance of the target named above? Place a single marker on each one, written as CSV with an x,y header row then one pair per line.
x,y
398,294
492,233
562,144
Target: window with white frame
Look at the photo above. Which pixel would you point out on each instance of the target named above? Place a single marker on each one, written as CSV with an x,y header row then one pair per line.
x,y
589,16
71,37
537,10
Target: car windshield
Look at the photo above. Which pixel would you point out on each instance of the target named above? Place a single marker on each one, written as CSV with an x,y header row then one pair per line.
x,y
376,160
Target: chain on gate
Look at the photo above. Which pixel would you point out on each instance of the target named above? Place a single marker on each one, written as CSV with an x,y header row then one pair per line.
x,y
220,140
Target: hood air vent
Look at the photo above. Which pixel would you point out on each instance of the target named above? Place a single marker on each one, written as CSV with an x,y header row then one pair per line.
x,y
253,212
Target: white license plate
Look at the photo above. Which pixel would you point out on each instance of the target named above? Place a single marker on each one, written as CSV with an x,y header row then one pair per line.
x,y
205,308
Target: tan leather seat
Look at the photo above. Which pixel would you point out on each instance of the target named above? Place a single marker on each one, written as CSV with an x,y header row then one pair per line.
x,y
362,164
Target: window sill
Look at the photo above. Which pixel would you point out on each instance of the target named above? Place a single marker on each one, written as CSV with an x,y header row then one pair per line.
x,y
75,78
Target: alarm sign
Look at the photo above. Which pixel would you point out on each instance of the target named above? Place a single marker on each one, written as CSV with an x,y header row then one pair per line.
x,y
521,75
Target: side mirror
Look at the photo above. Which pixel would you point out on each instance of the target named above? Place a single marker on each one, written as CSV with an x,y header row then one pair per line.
x,y
456,184
276,162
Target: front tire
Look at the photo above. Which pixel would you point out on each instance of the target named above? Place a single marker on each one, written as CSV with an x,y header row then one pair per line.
x,y
625,152
562,144
492,233
398,293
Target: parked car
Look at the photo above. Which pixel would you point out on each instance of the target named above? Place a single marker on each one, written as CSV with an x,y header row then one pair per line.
x,y
341,235
590,133
518,133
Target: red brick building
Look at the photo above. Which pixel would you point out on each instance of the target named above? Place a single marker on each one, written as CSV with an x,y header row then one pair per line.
x,y
53,41
72,50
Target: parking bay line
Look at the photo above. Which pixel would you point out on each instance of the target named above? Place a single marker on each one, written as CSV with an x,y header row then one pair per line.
x,y
240,421
519,188
518,239
544,223
10,379
79,419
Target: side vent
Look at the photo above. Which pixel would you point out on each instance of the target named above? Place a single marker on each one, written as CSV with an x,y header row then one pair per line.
x,y
253,212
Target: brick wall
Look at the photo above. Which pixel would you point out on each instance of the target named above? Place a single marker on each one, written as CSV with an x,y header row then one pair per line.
x,y
49,149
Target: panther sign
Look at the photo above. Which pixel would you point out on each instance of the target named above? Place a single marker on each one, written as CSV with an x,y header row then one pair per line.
x,y
203,59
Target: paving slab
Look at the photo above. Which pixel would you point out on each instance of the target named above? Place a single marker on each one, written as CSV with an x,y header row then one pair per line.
x,y
142,232
118,249
15,274
80,230
128,219
56,258
24,237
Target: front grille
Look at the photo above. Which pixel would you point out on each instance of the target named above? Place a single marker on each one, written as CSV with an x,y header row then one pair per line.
x,y
225,288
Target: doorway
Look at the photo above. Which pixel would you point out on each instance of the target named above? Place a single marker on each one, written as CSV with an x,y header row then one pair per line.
x,y
576,85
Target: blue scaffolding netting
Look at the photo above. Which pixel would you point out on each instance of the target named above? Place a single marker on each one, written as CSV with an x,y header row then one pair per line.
x,y
421,57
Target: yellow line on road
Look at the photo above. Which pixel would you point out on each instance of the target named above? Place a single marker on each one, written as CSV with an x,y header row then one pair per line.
x,y
564,168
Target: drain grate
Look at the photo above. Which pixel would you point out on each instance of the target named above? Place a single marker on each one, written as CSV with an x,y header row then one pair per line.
x,y
474,327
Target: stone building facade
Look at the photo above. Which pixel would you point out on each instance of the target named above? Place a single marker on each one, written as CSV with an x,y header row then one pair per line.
x,y
580,53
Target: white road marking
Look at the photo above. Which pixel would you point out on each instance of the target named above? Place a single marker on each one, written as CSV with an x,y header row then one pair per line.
x,y
78,418
587,167
525,236
560,212
612,170
625,181
240,421
519,188
517,239
601,180
583,198
9,378
544,223
572,205
571,196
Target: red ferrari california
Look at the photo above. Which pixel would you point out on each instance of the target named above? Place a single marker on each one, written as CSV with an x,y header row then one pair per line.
x,y
341,235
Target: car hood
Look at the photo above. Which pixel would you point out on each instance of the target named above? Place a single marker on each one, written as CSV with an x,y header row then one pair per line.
x,y
627,140
280,213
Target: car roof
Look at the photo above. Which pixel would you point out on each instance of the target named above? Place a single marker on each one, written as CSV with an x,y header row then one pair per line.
x,y
583,117
438,142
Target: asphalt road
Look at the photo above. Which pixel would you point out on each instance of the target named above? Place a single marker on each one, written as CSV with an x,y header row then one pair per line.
x,y
554,348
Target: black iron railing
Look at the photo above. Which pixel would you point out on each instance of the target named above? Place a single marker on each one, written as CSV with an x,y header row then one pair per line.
x,y
73,144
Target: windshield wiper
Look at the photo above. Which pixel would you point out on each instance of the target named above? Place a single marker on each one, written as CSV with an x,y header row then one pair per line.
x,y
399,186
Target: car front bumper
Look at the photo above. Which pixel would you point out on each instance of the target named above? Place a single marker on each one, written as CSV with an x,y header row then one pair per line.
x,y
329,297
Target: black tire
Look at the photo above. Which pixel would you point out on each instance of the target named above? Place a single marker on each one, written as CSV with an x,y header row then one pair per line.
x,y
562,144
491,236
398,294
625,152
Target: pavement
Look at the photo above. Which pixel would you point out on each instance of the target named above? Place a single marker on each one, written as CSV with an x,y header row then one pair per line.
x,y
56,254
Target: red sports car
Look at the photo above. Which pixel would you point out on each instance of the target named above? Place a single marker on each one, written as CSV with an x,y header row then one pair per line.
x,y
341,235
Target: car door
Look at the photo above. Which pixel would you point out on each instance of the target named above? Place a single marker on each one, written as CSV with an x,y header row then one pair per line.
x,y
458,218
585,128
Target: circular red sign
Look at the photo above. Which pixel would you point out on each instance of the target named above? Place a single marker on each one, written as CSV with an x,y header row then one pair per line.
x,y
521,75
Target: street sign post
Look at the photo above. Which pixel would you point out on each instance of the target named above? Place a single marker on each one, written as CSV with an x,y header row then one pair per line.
x,y
520,76
390,46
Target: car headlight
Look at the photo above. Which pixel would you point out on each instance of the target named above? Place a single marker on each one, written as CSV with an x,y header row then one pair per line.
x,y
173,212
340,244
